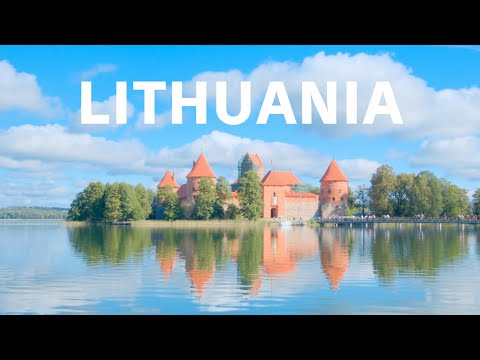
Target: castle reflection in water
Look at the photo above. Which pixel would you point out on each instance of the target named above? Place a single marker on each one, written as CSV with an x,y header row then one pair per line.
x,y
272,253
262,256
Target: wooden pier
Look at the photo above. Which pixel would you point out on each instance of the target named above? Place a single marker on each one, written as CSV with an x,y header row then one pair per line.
x,y
365,222
122,223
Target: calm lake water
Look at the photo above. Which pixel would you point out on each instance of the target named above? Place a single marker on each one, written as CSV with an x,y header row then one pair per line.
x,y
48,268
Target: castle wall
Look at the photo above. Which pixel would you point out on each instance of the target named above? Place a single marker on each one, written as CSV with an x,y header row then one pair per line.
x,y
301,207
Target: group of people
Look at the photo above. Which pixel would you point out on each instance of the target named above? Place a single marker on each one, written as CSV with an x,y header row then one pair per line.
x,y
371,217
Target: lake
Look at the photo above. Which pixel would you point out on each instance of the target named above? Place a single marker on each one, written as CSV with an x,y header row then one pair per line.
x,y
51,268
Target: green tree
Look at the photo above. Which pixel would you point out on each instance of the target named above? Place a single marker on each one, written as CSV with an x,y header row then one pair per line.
x,y
168,204
362,197
383,182
476,202
250,195
435,208
351,198
145,198
112,202
350,211
455,199
233,212
88,205
402,195
205,200
223,194
129,205
421,195
75,213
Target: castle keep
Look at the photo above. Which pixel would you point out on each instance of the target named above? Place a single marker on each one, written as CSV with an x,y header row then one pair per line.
x,y
281,190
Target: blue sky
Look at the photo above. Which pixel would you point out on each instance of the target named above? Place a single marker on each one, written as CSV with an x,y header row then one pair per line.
x,y
47,156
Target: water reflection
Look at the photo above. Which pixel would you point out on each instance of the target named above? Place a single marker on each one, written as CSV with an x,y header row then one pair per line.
x,y
166,250
111,245
274,252
418,250
334,255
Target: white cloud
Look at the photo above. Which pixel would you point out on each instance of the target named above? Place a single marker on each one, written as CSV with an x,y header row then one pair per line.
x,y
456,155
224,150
20,91
52,143
36,189
52,146
96,70
358,169
28,165
425,111
161,120
106,107
396,154
38,193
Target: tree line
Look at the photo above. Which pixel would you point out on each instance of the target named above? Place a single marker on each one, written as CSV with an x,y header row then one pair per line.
x,y
121,201
410,194
32,212
117,201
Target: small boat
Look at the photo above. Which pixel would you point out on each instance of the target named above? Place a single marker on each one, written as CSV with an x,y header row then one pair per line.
x,y
284,222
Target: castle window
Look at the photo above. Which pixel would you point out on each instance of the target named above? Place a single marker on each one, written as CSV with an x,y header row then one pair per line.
x,y
329,191
274,199
333,199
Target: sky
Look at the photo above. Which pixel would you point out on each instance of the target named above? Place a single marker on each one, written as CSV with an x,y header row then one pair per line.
x,y
47,155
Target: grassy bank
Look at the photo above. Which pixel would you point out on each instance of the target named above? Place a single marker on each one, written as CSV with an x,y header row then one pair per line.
x,y
200,223
191,223
182,223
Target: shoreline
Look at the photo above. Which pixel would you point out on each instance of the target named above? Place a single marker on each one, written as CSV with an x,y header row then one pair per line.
x,y
161,224
179,223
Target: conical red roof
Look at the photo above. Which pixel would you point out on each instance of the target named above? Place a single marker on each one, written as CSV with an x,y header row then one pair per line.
x,y
334,173
168,179
201,168
279,178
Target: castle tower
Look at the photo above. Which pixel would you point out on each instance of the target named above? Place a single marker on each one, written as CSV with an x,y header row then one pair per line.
x,y
249,162
168,180
333,191
201,169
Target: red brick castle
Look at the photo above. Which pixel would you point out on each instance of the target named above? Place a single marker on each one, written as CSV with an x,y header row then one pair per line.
x,y
281,190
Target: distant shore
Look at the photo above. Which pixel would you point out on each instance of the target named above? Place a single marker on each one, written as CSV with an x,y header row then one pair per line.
x,y
34,220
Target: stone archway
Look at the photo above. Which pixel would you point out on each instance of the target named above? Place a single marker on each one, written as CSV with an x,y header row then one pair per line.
x,y
274,212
